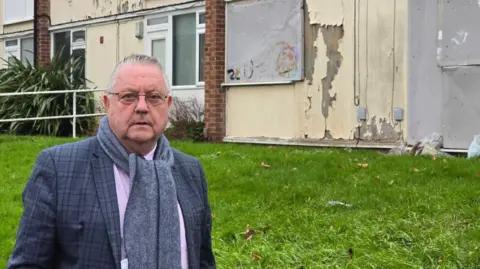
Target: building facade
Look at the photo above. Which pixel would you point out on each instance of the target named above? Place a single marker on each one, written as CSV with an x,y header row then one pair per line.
x,y
347,72
103,32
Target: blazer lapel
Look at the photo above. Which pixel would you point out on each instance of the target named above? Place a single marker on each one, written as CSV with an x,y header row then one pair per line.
x,y
107,196
185,204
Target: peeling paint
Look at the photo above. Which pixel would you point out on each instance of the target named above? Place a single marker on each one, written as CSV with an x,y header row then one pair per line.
x,y
309,104
336,53
311,35
327,135
125,6
331,37
379,130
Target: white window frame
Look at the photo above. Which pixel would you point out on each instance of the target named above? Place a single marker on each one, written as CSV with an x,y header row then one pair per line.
x,y
200,30
28,17
14,50
73,45
80,44
166,30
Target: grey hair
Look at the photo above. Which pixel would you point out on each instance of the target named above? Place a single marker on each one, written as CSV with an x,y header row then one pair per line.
x,y
137,59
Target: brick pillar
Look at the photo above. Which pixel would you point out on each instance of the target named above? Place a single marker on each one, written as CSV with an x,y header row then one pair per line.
x,y
214,69
42,35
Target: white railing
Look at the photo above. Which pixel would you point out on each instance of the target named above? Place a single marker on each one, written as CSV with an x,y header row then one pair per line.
x,y
74,105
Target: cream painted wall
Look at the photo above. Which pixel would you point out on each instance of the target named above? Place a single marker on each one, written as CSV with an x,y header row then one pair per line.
x,y
63,11
128,43
12,28
100,58
118,42
297,111
262,111
161,3
17,27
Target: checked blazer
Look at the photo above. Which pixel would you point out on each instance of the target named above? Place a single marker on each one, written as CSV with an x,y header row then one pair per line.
x,y
71,218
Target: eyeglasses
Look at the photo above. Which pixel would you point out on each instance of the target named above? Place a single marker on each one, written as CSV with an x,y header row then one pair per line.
x,y
129,98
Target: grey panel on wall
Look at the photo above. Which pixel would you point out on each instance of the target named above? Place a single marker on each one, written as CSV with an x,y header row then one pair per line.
x,y
461,108
458,32
424,95
264,41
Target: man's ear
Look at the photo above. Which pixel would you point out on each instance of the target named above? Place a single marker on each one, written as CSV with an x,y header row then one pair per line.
x,y
169,101
106,101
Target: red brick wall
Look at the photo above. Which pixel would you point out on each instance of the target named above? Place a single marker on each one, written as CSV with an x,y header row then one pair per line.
x,y
43,36
214,69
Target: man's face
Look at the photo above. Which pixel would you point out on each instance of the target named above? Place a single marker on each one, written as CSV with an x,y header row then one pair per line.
x,y
139,122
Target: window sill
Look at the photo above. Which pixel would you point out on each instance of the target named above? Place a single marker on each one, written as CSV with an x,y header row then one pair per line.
x,y
260,83
12,22
188,87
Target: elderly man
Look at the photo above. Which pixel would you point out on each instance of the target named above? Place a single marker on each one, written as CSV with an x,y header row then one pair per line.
x,y
122,199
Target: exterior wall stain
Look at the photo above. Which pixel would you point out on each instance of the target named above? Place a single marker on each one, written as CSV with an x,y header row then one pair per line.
x,y
327,135
379,130
331,37
354,57
64,11
310,38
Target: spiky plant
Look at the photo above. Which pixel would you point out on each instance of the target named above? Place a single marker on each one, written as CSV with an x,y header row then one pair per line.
x,y
60,74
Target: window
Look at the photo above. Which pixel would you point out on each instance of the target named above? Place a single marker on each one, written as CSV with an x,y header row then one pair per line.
x,y
20,48
68,44
178,42
201,46
17,11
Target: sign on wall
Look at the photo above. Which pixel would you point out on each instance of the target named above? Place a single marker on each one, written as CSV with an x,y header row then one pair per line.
x,y
264,41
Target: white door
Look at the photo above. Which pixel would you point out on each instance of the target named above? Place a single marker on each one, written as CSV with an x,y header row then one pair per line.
x,y
158,47
159,50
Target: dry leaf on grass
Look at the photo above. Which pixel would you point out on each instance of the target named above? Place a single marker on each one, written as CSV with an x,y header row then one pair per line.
x,y
364,165
248,234
266,165
415,170
256,256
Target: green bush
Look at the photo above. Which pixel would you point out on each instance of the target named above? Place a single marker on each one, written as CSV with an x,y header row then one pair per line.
x,y
186,120
60,74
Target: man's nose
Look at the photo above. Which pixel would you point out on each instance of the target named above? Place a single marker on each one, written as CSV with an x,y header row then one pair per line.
x,y
142,106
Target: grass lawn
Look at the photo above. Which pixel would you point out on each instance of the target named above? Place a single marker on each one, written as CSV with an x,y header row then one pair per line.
x,y
406,212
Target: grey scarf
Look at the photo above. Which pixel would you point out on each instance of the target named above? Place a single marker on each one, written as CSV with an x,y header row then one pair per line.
x,y
151,225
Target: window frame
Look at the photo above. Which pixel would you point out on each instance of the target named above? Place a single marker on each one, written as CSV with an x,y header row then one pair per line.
x,y
200,30
73,45
27,17
166,29
16,50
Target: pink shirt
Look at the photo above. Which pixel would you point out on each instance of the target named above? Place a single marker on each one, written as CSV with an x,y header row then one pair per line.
x,y
122,183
